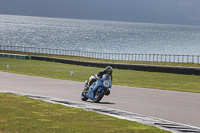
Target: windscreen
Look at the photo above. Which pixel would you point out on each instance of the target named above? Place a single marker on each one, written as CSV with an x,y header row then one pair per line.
x,y
107,77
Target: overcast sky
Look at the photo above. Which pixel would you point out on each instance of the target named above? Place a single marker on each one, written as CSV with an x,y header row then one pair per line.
x,y
148,11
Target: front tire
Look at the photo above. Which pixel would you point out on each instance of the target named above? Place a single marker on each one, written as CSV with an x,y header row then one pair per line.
x,y
107,93
83,96
99,95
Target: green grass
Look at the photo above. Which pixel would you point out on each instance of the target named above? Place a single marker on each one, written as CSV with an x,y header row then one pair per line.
x,y
22,114
110,61
165,81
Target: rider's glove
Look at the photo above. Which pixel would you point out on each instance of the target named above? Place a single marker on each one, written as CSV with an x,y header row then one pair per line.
x,y
97,77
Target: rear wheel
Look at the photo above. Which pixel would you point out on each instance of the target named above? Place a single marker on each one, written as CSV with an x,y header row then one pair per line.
x,y
99,95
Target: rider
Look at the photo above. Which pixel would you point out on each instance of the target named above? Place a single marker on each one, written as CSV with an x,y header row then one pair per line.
x,y
108,70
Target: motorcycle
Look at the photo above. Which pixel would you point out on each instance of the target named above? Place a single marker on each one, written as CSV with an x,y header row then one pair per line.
x,y
98,89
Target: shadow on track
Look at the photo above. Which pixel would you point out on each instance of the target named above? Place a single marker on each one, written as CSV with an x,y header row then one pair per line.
x,y
101,102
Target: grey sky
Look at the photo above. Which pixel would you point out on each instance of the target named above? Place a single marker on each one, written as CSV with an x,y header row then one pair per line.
x,y
153,11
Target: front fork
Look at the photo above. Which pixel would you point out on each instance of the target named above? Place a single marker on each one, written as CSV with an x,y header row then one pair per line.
x,y
86,87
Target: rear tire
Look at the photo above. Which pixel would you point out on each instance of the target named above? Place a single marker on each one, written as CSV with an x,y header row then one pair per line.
x,y
99,95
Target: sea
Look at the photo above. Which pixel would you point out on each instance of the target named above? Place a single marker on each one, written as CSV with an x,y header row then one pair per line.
x,y
99,36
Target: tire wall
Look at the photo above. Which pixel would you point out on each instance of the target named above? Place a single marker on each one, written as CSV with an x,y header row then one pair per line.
x,y
149,68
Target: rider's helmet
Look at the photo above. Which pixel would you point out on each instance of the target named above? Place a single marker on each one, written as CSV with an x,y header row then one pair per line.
x,y
109,70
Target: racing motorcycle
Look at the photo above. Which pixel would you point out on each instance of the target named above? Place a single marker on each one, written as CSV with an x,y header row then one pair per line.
x,y
98,89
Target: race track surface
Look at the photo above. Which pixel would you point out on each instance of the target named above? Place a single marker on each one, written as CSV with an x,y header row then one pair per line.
x,y
174,106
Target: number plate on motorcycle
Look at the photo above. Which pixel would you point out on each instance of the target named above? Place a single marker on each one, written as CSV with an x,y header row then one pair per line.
x,y
106,83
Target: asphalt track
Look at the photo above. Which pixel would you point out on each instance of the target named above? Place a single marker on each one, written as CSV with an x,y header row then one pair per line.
x,y
180,107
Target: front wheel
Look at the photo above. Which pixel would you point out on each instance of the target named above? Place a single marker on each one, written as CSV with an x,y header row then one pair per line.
x,y
83,96
99,95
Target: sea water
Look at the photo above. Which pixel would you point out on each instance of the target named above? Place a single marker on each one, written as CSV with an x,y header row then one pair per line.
x,y
99,36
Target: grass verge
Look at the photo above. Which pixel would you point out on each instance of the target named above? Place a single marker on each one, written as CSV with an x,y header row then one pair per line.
x,y
104,60
22,114
165,81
